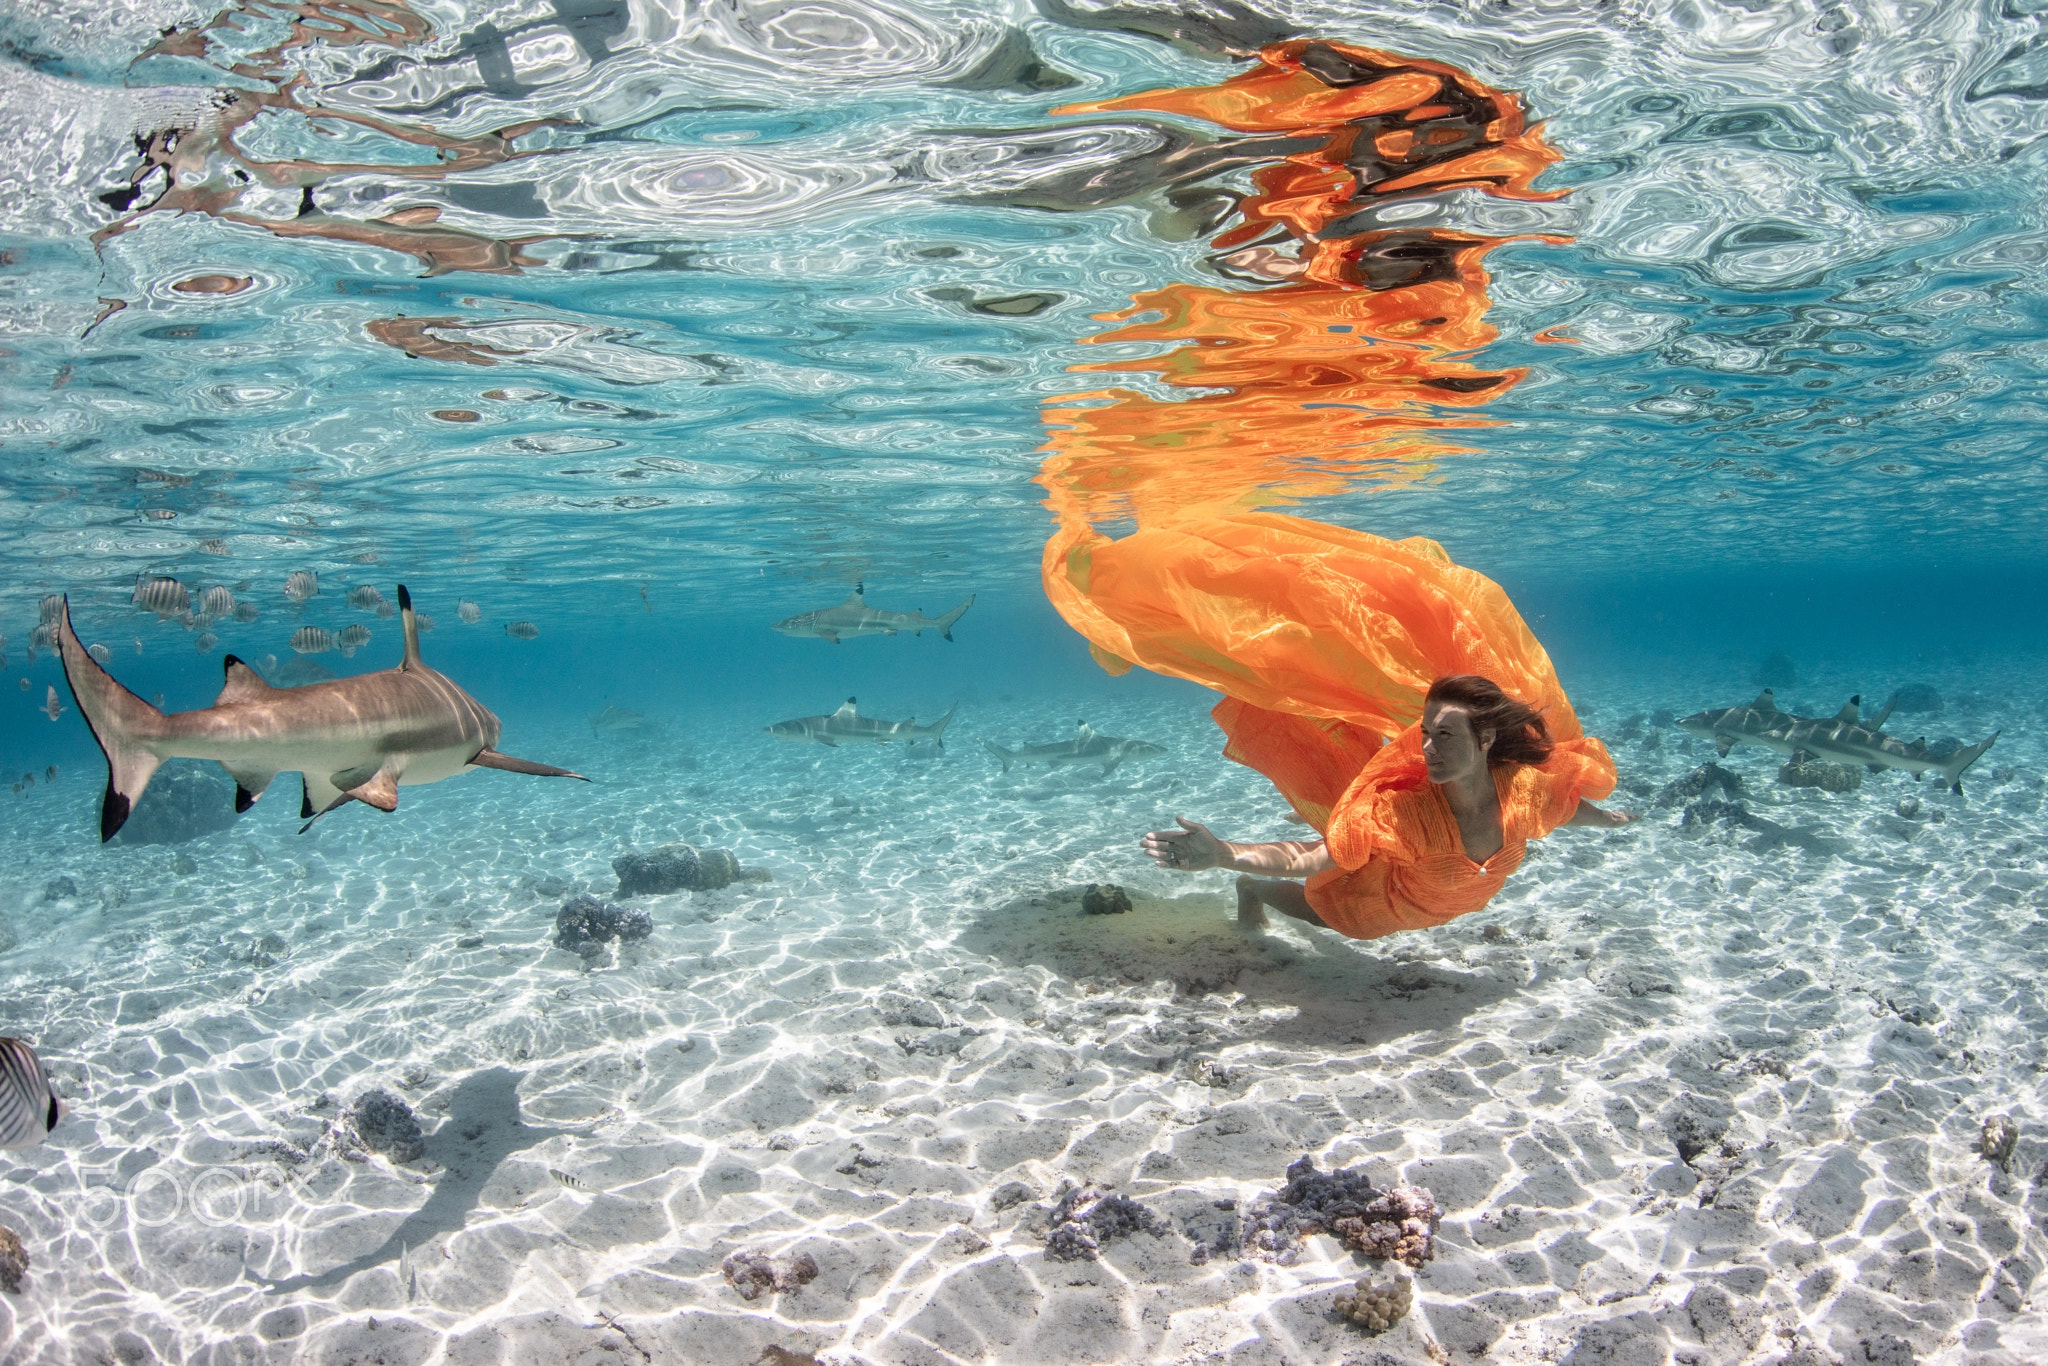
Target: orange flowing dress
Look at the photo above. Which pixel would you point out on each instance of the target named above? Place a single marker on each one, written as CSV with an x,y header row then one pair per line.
x,y
1324,641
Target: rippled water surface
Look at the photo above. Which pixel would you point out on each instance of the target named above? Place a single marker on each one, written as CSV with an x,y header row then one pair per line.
x,y
1713,331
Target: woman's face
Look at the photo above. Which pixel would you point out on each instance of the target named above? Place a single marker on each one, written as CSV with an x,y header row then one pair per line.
x,y
1450,749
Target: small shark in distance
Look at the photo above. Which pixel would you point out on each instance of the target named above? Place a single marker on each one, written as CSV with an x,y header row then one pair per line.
x,y
350,739
847,724
855,618
1086,747
1844,738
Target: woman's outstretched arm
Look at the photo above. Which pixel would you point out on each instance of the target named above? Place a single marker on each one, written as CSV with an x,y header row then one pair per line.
x,y
1589,814
1193,847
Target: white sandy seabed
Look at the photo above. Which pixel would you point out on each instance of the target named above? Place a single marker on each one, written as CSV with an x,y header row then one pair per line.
x,y
896,1055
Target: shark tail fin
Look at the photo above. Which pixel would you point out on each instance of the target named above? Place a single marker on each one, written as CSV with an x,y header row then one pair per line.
x,y
1952,768
946,622
412,631
122,723
936,731
1003,756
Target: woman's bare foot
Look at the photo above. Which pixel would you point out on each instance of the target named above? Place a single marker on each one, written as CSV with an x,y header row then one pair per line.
x,y
1251,911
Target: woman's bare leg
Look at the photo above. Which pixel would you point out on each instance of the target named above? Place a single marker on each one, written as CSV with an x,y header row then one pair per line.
x,y
1254,894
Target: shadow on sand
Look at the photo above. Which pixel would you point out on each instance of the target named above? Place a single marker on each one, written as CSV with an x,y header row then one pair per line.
x,y
482,1129
1343,992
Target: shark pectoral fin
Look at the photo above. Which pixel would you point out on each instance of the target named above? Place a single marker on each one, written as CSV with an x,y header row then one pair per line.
x,y
832,636
348,778
490,758
249,784
827,741
1110,767
380,791
1722,744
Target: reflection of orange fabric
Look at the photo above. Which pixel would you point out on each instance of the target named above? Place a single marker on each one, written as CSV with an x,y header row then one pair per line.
x,y
1319,381
1325,641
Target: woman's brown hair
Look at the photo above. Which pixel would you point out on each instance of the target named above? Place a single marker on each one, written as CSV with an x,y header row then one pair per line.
x,y
1519,733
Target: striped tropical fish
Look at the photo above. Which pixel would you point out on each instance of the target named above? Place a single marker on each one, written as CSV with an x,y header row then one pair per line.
x,y
29,1109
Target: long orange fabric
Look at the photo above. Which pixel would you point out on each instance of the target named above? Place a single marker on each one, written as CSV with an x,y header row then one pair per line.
x,y
1341,364
1324,641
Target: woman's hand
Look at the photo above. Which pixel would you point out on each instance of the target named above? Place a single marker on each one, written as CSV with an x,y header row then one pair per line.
x,y
1591,815
1189,849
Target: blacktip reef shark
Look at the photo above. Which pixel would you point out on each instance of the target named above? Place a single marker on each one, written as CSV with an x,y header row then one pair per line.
x,y
855,618
1086,747
1843,737
847,724
351,739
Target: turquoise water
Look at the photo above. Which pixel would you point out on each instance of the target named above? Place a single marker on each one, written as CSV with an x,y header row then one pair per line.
x,y
652,325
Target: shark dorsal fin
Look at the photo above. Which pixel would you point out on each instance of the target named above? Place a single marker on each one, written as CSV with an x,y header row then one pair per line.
x,y
858,597
243,684
1083,731
412,631
1852,710
847,708
1765,701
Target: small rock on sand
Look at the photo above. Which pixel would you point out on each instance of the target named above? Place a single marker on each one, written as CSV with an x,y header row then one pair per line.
x,y
13,1261
755,1274
1806,771
585,925
676,868
1105,898
384,1124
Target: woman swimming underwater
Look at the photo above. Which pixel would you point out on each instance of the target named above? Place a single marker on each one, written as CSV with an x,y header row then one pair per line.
x,y
1396,700
1405,855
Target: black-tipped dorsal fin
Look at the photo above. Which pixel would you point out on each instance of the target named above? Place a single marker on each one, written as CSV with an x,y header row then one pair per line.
x,y
1084,731
847,708
1852,710
412,631
243,684
858,597
1765,701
